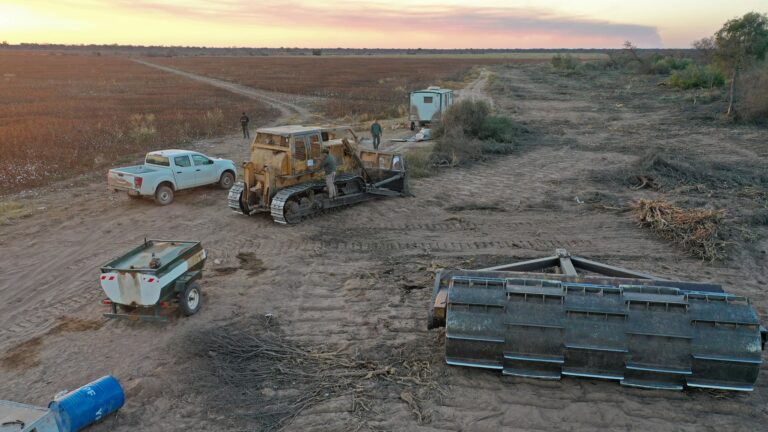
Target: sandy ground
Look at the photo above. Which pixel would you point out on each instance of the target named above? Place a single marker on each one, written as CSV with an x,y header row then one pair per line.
x,y
346,280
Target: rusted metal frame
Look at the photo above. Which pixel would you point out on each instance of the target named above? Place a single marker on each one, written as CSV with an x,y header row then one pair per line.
x,y
609,270
525,266
183,256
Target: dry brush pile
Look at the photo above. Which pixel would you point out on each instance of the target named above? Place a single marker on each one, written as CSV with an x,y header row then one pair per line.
x,y
696,230
685,200
253,376
67,114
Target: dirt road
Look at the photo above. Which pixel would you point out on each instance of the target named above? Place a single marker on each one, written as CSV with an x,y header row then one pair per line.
x,y
292,107
351,279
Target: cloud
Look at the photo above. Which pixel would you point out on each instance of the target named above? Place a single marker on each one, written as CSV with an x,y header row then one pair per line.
x,y
452,22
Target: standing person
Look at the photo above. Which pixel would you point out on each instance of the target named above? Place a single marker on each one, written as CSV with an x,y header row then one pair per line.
x,y
376,134
244,123
329,165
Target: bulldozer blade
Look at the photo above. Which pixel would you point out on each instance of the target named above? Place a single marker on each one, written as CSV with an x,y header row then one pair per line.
x,y
645,333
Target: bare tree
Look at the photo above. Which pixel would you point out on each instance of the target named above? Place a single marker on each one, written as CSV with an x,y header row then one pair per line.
x,y
705,48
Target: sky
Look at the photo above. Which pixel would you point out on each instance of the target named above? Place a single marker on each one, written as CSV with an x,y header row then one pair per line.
x,y
370,24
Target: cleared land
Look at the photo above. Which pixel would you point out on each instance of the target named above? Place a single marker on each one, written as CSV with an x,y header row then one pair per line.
x,y
355,283
67,114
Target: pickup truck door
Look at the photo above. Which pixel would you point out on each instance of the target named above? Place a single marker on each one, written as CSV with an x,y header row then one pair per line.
x,y
184,172
205,170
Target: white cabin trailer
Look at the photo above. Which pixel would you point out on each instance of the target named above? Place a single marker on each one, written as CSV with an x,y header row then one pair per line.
x,y
428,105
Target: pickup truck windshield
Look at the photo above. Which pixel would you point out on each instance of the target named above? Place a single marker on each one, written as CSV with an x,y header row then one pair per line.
x,y
157,160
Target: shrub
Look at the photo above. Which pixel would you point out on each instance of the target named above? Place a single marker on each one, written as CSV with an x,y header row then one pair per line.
x,y
564,62
665,65
695,76
468,132
455,148
420,162
467,116
499,129
753,92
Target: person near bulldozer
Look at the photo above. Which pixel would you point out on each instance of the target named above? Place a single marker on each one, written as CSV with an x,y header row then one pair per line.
x,y
376,134
329,166
244,120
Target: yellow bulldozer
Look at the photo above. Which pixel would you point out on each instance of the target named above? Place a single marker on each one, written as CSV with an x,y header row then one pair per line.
x,y
283,178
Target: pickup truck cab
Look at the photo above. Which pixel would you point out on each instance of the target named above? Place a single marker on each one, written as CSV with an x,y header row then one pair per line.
x,y
166,171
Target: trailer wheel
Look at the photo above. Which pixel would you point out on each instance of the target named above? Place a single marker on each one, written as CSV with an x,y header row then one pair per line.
x,y
191,299
164,195
227,180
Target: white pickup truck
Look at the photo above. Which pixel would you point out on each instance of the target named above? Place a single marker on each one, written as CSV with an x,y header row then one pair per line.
x,y
167,171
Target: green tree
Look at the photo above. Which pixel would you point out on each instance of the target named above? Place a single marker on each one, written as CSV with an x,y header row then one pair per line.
x,y
738,44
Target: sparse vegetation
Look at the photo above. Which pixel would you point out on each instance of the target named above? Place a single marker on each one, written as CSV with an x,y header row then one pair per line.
x,y
352,86
696,76
565,62
420,162
753,96
740,43
468,131
662,65
11,210
72,113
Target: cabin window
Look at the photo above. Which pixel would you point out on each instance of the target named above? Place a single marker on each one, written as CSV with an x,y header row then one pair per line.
x,y
201,160
315,146
300,148
427,99
158,160
182,161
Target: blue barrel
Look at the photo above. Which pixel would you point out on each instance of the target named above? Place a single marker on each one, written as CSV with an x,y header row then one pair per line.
x,y
88,404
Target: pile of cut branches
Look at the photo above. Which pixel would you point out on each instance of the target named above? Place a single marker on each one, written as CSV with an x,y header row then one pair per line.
x,y
250,372
696,229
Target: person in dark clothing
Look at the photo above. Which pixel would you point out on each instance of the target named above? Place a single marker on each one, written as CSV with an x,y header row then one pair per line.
x,y
244,123
329,166
376,134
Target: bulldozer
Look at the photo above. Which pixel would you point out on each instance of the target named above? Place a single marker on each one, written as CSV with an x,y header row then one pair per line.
x,y
564,315
282,176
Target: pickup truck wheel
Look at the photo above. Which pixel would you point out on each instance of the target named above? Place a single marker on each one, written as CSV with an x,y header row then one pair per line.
x,y
227,180
191,299
164,195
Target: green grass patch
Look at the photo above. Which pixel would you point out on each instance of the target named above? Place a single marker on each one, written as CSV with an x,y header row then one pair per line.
x,y
11,210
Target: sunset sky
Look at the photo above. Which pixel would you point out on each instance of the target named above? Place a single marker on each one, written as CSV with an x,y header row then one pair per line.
x,y
369,24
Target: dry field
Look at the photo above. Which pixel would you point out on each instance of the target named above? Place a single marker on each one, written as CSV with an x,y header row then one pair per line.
x,y
67,114
352,86
348,293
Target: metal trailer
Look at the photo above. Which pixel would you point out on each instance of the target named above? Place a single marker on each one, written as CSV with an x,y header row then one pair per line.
x,y
17,417
152,276
615,324
428,105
